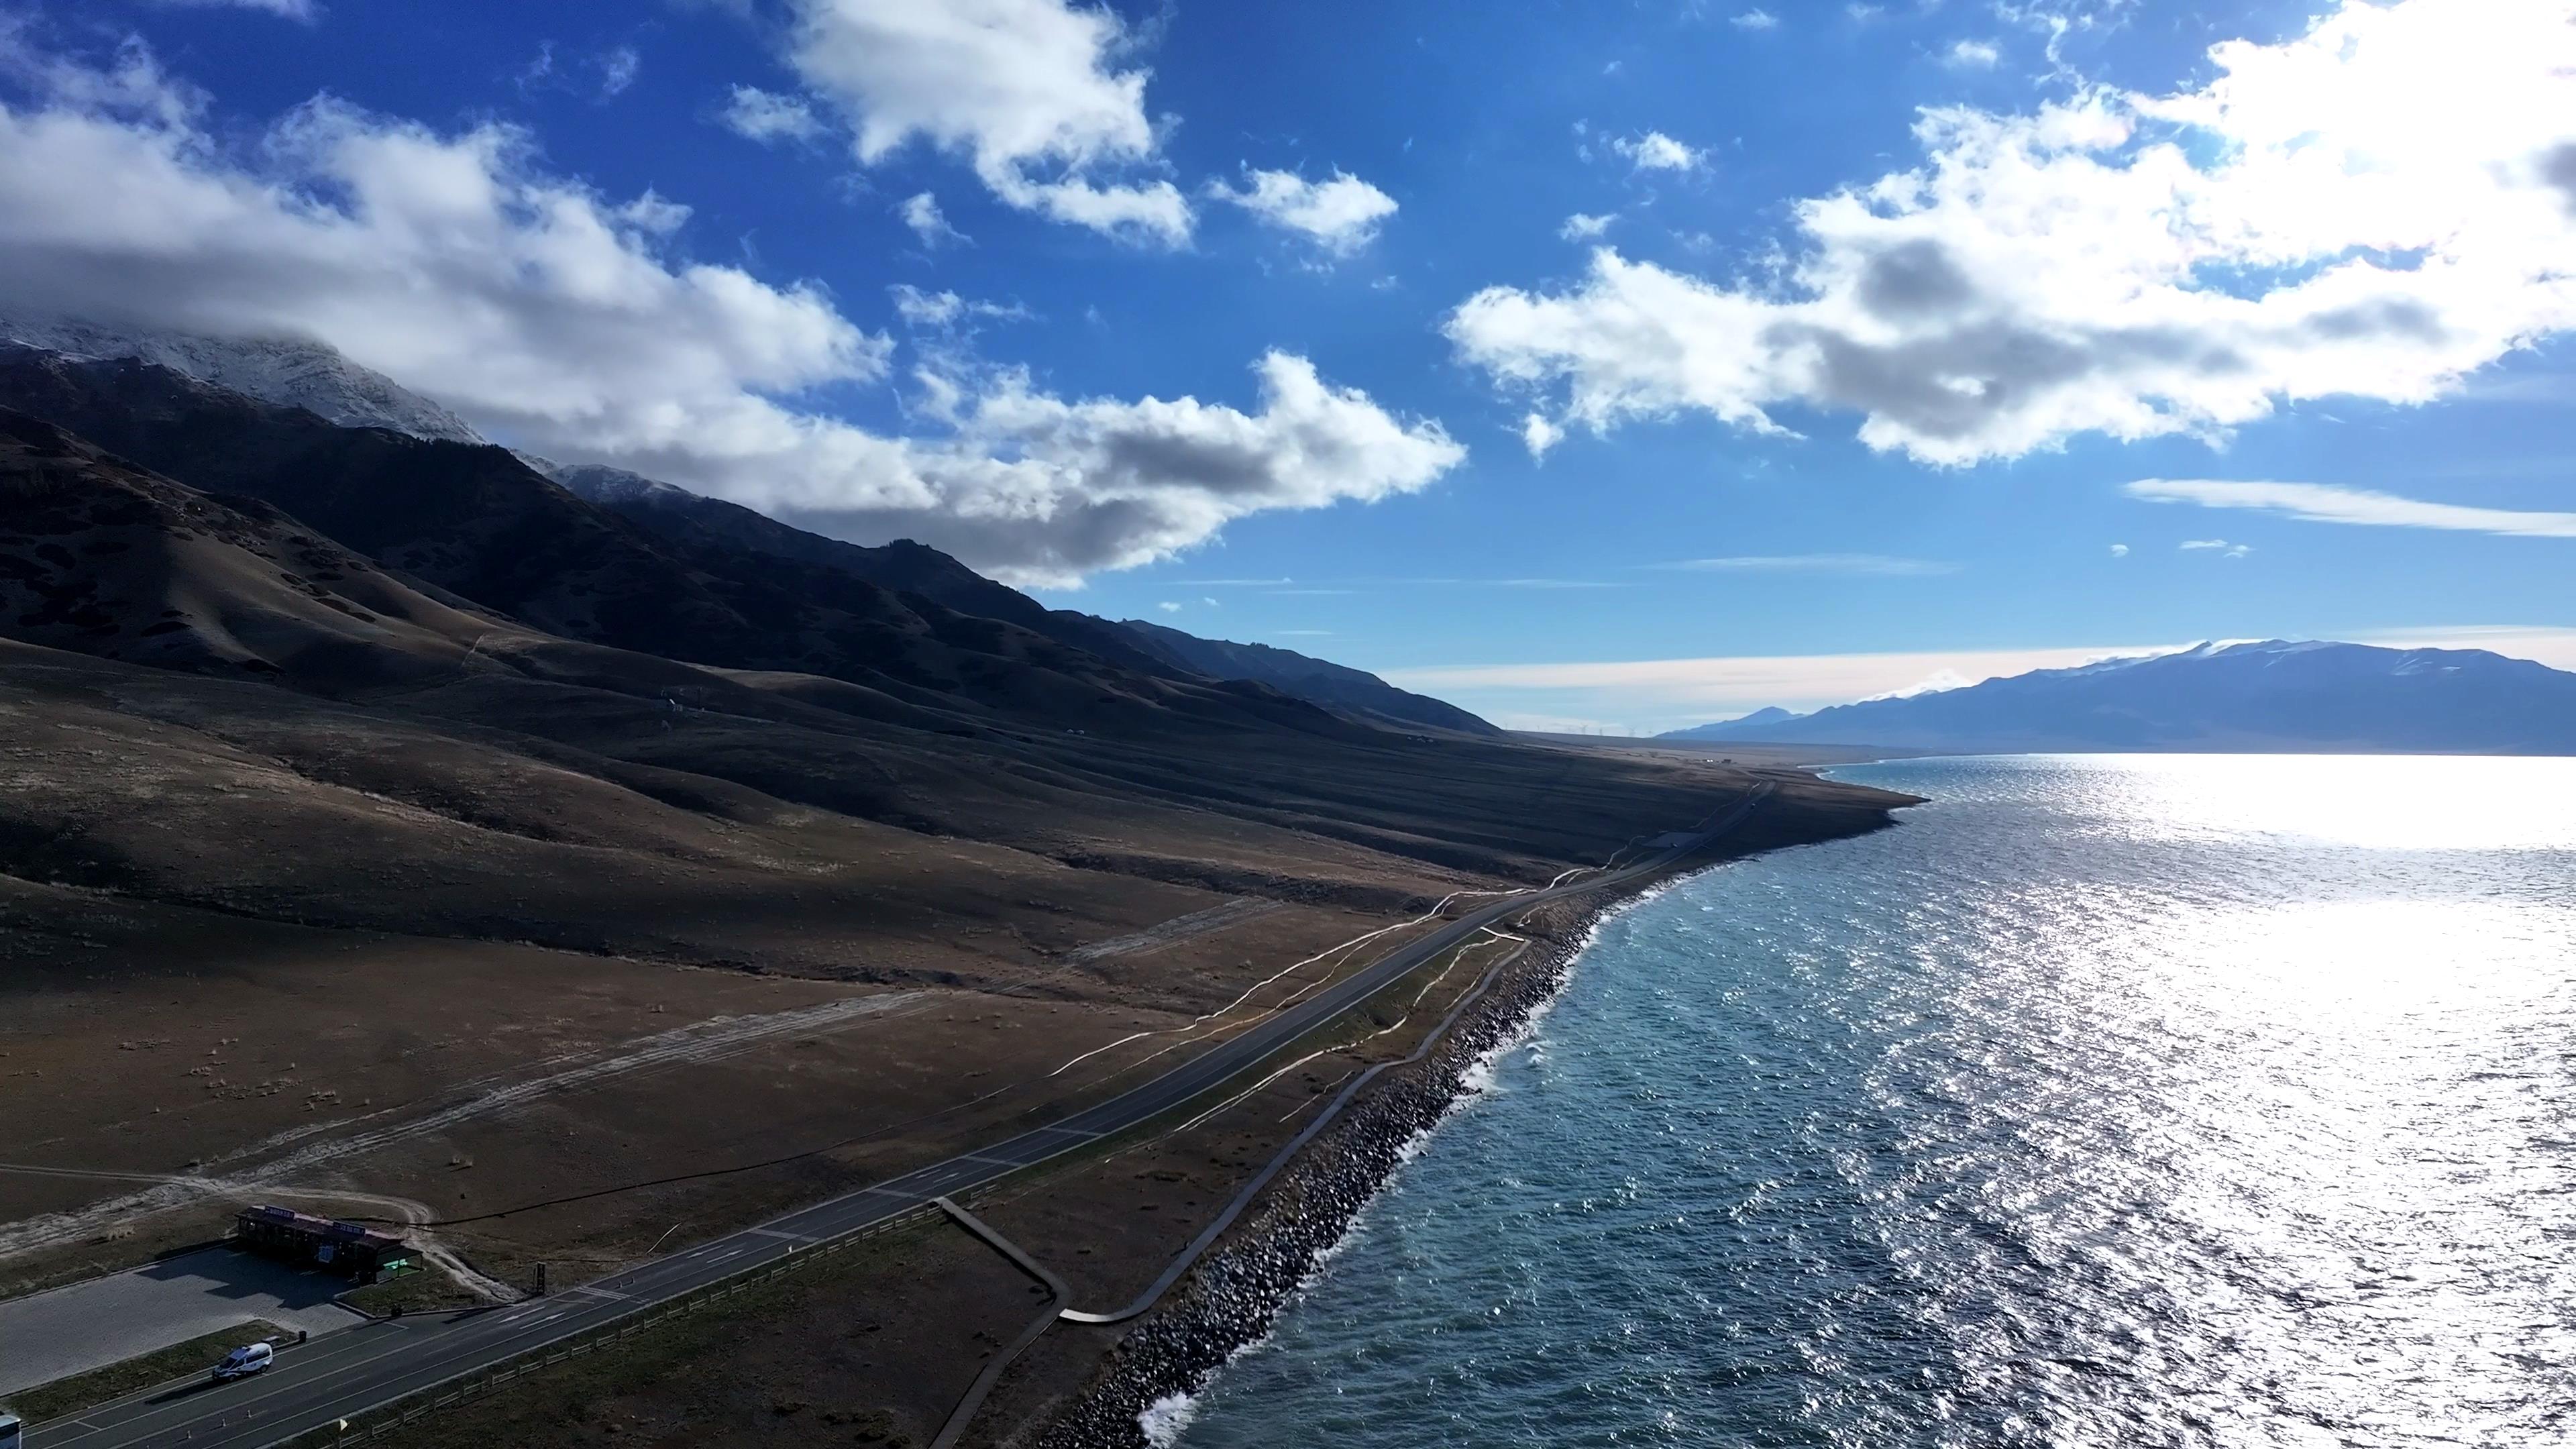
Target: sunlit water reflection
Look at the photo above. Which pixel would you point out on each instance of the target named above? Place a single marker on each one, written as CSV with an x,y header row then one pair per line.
x,y
2108,1101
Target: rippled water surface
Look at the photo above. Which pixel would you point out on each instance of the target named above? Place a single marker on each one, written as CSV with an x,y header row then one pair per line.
x,y
2107,1101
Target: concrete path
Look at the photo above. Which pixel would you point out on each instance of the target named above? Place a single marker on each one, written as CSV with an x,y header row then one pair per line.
x,y
91,1324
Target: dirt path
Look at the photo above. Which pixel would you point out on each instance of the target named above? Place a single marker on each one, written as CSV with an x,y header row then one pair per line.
x,y
1176,930
299,1155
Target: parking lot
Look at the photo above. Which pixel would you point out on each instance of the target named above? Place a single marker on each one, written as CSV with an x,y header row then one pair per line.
x,y
82,1326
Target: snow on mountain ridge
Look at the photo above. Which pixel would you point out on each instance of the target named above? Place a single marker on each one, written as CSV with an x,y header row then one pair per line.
x,y
279,370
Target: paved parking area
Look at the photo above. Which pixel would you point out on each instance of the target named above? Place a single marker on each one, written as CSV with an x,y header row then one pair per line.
x,y
82,1326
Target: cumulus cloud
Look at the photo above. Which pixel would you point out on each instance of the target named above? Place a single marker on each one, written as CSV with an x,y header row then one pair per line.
x,y
2375,208
2331,503
921,212
570,323
1026,91
1583,226
1168,607
1341,214
2119,550
1655,151
1972,55
1755,20
1045,490
765,116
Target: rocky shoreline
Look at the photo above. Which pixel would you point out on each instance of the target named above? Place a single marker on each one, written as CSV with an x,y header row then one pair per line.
x,y
1231,1297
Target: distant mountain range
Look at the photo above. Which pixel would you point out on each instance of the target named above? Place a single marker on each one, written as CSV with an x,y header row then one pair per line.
x,y
2275,695
1320,681
615,558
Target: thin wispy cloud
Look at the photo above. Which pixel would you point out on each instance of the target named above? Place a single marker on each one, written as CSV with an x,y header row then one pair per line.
x,y
1755,20
1884,565
1518,583
2541,643
304,10
2217,546
1676,692
2332,503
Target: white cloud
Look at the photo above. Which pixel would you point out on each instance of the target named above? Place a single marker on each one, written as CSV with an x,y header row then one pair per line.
x,y
2331,503
569,323
1655,151
1168,607
921,212
1025,90
1972,55
1040,489
1584,227
2376,208
768,116
2217,546
1539,435
304,10
1755,20
939,311
1341,215
2119,550
1878,564
618,68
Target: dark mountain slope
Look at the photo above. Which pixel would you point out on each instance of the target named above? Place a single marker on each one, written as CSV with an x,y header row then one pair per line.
x,y
100,557
2274,695
1334,686
903,566
476,521
677,514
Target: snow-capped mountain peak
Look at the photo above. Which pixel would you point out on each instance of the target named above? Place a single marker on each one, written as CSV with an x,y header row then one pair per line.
x,y
287,371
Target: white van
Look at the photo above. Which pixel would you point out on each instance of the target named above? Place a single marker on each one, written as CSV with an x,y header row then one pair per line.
x,y
244,1361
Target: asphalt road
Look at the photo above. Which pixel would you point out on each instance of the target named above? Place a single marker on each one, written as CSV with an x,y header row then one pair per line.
x,y
350,1374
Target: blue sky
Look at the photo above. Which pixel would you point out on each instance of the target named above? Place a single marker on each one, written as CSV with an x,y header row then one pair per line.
x,y
1621,365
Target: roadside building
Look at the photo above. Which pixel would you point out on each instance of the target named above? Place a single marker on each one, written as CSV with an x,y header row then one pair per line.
x,y
351,1248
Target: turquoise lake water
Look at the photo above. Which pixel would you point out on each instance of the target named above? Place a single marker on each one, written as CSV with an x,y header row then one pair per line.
x,y
2106,1101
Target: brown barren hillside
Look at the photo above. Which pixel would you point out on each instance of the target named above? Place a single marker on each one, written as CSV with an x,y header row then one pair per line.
x,y
326,882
